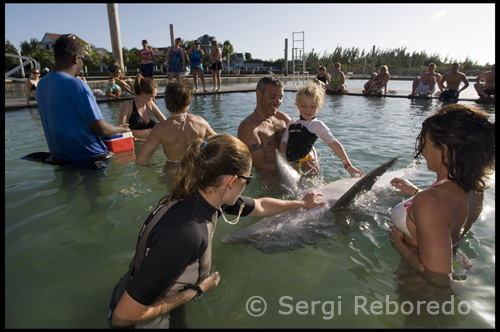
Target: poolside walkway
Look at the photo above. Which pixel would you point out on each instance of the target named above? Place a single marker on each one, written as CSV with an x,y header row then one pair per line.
x,y
20,103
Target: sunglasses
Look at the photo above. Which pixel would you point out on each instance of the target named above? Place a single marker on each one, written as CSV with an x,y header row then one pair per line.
x,y
36,72
247,178
81,57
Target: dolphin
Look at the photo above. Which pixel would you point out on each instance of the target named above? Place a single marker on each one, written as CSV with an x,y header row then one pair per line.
x,y
295,229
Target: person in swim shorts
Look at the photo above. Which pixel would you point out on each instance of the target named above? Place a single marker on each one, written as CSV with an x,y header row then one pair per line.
x,y
487,89
458,144
216,59
179,129
452,89
147,58
301,134
425,85
173,255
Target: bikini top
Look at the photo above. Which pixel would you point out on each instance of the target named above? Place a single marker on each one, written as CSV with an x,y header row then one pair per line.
x,y
136,121
400,211
321,78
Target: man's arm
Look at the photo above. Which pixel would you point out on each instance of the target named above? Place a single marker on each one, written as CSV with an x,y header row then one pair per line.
x,y
247,133
105,129
465,81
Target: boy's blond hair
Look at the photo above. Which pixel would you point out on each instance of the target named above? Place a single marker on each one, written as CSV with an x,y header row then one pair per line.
x,y
310,90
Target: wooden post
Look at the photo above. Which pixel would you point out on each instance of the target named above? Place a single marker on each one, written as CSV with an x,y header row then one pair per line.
x,y
373,59
286,57
172,35
114,29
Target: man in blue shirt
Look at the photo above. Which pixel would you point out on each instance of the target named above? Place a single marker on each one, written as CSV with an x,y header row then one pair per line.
x,y
71,119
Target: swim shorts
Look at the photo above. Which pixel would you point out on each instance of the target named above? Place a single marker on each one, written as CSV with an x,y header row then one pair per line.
x,y
217,66
147,69
489,92
449,95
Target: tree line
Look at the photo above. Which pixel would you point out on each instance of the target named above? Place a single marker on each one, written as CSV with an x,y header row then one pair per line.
x,y
351,58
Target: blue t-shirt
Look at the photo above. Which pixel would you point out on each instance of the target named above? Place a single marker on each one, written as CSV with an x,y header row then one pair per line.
x,y
67,107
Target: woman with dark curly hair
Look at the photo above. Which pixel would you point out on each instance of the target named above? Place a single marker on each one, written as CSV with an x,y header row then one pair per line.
x,y
458,143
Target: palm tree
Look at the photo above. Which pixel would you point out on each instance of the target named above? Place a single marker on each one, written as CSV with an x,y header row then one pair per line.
x,y
227,50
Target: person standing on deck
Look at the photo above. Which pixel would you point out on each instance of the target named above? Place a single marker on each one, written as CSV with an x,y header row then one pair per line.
x,y
147,57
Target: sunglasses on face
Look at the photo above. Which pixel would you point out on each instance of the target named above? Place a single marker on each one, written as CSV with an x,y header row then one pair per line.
x,y
247,178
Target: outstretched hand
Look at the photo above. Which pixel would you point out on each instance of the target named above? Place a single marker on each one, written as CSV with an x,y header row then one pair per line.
x,y
311,200
404,185
353,171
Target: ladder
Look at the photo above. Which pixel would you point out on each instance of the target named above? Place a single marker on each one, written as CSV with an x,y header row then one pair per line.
x,y
28,61
298,59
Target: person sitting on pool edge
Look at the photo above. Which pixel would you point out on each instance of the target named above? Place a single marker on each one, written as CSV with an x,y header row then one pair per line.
x,y
179,129
141,113
31,83
425,85
323,76
174,250
336,84
453,79
72,121
379,83
113,90
301,134
487,89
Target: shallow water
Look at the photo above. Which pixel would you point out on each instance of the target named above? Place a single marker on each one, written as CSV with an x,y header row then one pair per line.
x,y
70,234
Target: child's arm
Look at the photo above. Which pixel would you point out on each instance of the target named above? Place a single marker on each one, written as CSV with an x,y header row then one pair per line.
x,y
338,149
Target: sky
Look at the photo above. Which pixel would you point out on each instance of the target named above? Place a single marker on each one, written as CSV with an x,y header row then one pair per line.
x,y
450,30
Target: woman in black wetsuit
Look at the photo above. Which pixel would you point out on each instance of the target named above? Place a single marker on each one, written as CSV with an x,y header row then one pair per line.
x,y
173,254
141,113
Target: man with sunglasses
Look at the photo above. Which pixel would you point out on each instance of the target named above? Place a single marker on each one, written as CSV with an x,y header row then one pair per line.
x,y
72,121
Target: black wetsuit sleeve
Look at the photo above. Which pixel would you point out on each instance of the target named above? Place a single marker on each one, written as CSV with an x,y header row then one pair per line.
x,y
235,209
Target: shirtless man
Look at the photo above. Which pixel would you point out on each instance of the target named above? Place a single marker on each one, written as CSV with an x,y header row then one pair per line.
x,y
179,129
261,131
453,80
487,89
425,85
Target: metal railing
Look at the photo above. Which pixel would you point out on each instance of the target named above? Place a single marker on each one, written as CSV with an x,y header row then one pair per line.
x,y
27,61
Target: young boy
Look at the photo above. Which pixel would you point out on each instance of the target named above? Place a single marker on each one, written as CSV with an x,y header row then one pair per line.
x,y
300,135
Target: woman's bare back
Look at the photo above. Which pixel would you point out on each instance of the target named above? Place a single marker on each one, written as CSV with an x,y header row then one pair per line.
x,y
176,134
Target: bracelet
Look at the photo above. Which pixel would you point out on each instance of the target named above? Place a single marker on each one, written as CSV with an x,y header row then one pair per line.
x,y
346,164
